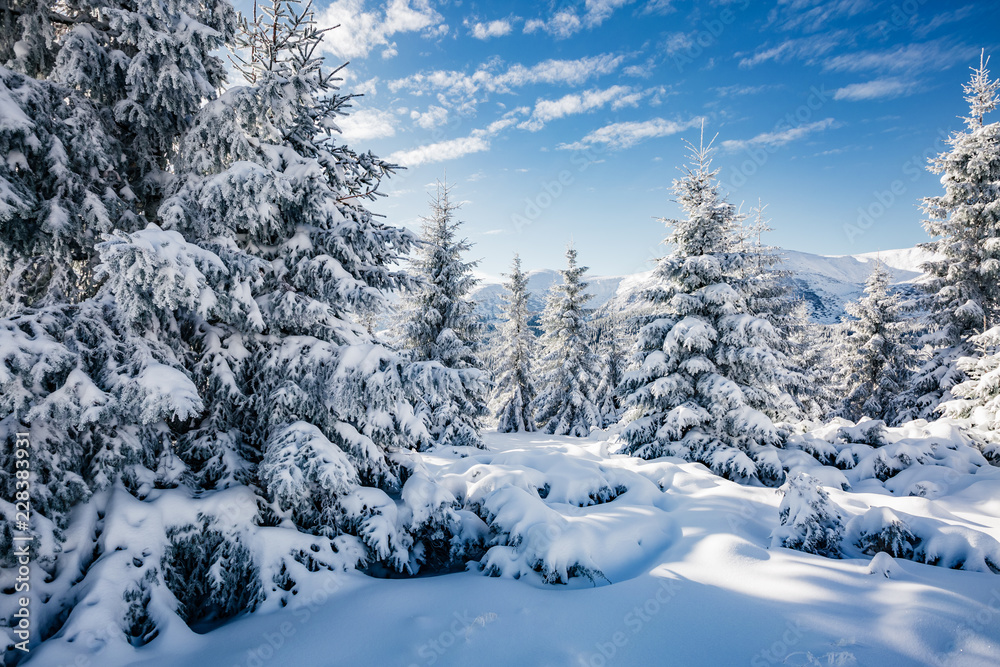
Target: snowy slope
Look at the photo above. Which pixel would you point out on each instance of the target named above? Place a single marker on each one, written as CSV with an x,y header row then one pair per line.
x,y
689,578
826,282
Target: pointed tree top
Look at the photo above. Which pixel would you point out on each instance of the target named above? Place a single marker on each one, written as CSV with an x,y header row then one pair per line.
x,y
981,92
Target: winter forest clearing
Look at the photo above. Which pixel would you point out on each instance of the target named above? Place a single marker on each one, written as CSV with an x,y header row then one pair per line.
x,y
247,420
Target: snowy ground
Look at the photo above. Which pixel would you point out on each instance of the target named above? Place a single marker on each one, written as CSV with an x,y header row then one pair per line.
x,y
688,579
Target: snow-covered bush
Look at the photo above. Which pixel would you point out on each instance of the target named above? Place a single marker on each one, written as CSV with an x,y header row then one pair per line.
x,y
924,540
916,458
810,521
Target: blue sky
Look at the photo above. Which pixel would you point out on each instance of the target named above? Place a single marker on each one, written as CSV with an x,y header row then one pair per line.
x,y
565,121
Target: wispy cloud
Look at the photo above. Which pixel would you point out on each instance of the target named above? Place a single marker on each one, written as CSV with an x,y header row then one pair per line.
x,y
441,151
463,90
813,15
799,48
624,135
362,29
739,90
576,103
778,138
935,55
877,89
476,142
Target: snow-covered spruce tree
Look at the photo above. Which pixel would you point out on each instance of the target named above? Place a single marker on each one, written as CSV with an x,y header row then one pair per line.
x,y
769,295
58,191
810,521
442,333
879,359
569,368
708,368
979,396
964,289
612,367
514,387
93,138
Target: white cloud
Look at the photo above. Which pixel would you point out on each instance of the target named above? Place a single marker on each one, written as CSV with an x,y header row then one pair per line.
x,y
493,232
367,87
367,124
431,118
485,31
440,151
877,89
567,22
779,137
362,30
577,103
462,90
476,142
624,135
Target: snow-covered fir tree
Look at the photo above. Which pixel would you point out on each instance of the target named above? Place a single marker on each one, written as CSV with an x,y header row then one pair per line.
x,y
878,357
514,386
769,295
811,354
978,397
569,368
445,378
964,287
612,368
93,104
709,367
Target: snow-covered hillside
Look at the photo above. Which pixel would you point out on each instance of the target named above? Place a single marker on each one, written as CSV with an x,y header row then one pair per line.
x,y
826,282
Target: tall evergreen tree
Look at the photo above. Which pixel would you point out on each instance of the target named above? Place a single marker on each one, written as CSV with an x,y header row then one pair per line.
x,y
442,333
964,287
879,359
514,387
612,368
709,367
569,367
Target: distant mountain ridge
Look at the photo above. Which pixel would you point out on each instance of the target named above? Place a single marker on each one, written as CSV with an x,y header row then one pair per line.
x,y
825,282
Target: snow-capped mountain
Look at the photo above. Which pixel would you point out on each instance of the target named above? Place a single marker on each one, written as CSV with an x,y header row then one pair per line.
x,y
826,282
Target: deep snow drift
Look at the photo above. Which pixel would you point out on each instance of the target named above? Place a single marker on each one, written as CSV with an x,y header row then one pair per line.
x,y
664,563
